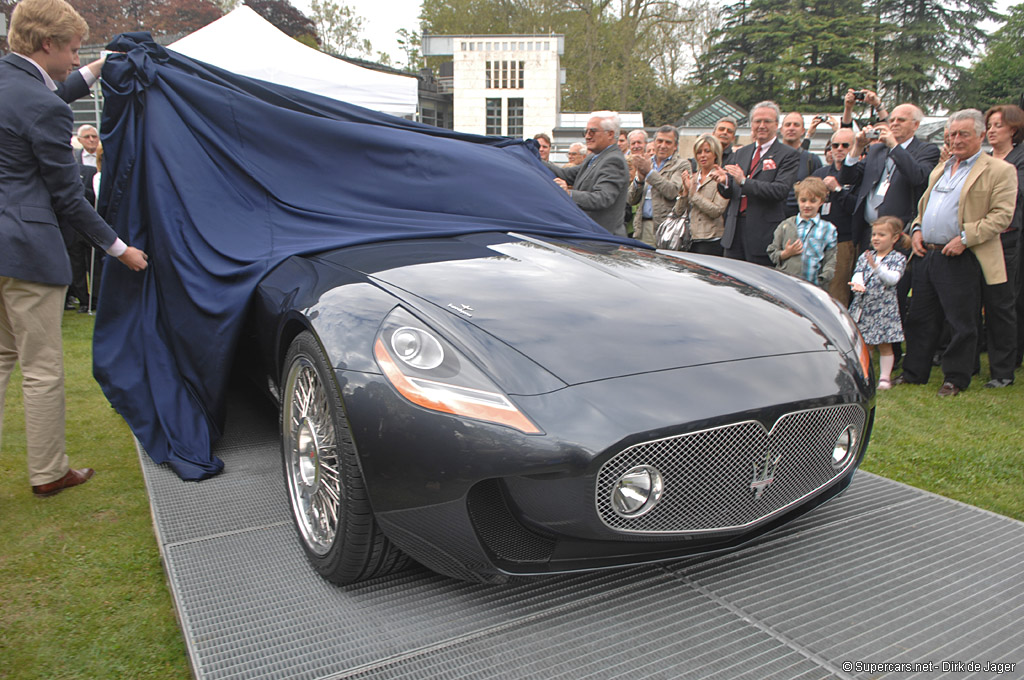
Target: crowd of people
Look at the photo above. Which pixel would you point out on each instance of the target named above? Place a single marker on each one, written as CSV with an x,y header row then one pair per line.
x,y
887,213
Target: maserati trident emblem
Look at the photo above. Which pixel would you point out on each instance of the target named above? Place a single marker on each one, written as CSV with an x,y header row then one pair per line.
x,y
764,474
465,310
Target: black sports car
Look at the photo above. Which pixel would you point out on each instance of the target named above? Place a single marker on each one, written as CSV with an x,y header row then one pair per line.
x,y
500,404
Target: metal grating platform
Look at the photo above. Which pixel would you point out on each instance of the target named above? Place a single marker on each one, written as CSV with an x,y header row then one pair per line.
x,y
885,574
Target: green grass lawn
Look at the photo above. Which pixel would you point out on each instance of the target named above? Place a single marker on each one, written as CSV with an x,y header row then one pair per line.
x,y
82,589
83,593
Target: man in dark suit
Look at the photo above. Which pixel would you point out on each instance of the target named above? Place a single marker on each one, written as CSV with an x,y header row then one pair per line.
x,y
891,179
794,135
79,249
41,188
756,184
600,183
725,133
89,138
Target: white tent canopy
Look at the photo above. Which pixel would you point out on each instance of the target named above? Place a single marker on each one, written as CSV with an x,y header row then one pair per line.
x,y
245,43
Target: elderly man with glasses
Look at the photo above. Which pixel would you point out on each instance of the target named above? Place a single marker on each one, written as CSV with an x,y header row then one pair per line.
x,y
600,184
969,201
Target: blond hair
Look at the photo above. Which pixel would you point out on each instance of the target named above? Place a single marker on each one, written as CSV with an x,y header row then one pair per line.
x,y
812,186
34,21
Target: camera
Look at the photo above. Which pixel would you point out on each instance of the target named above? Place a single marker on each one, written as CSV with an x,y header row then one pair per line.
x,y
859,95
873,134
821,119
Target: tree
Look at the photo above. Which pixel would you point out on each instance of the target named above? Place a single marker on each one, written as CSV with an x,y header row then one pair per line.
x,y
804,54
290,21
921,44
998,77
339,28
107,18
411,44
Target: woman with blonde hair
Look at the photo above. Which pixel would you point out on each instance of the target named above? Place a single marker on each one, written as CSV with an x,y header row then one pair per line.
x,y
699,196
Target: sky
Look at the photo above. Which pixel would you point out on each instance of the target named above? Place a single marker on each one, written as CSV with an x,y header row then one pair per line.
x,y
381,20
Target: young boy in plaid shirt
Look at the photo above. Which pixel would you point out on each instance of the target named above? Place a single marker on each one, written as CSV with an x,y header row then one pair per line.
x,y
804,244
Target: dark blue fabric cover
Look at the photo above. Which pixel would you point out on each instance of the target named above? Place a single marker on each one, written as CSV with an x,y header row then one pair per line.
x,y
219,178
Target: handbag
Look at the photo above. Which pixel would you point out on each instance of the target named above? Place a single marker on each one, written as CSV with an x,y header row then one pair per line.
x,y
674,233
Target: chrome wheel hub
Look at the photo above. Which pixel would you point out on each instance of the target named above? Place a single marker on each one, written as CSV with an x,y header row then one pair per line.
x,y
306,445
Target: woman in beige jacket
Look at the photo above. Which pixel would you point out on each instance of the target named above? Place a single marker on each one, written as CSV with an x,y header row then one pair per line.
x,y
699,195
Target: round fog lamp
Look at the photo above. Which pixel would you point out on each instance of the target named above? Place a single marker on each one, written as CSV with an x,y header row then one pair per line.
x,y
417,348
845,447
637,491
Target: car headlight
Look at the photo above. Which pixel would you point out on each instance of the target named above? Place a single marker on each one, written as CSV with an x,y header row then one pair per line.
x,y
430,372
860,348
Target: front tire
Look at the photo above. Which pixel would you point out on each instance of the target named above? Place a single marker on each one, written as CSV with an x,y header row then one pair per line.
x,y
328,498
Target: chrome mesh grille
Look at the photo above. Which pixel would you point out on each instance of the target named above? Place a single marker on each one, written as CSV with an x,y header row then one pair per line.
x,y
708,474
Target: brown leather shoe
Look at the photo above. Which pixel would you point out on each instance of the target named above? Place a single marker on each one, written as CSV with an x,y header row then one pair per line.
x,y
948,389
72,478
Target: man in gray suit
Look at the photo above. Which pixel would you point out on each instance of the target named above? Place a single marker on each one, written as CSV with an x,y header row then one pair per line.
x,y
600,184
39,188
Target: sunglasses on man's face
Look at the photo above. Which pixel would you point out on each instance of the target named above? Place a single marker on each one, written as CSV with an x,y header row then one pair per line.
x,y
845,145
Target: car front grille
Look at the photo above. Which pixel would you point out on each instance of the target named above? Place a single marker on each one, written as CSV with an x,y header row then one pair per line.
x,y
718,479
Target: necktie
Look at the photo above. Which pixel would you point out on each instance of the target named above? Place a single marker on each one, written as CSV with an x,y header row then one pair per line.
x,y
753,164
876,198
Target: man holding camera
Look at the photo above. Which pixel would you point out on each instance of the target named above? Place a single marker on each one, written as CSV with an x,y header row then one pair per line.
x,y
863,98
794,135
893,175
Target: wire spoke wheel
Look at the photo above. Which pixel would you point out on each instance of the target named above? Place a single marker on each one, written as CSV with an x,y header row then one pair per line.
x,y
326,491
312,466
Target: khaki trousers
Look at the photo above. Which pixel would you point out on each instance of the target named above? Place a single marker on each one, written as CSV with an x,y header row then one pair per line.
x,y
30,334
647,232
846,258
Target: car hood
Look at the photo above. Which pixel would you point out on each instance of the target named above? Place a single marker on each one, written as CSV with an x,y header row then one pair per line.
x,y
588,311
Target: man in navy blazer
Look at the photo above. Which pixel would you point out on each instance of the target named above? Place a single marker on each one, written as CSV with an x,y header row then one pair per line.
x,y
600,184
40,188
757,184
893,176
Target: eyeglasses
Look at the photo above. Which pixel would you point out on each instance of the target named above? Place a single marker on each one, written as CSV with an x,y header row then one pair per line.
x,y
592,131
90,136
845,145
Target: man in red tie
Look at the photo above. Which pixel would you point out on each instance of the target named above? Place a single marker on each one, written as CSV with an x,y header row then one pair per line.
x,y
757,184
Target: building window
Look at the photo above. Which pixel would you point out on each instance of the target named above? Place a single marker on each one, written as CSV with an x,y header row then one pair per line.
x,y
494,116
515,117
428,116
504,75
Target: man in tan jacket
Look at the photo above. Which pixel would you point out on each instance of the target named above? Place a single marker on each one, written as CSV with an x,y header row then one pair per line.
x,y
970,199
655,183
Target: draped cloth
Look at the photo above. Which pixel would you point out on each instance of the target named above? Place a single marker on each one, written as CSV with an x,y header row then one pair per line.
x,y
219,178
